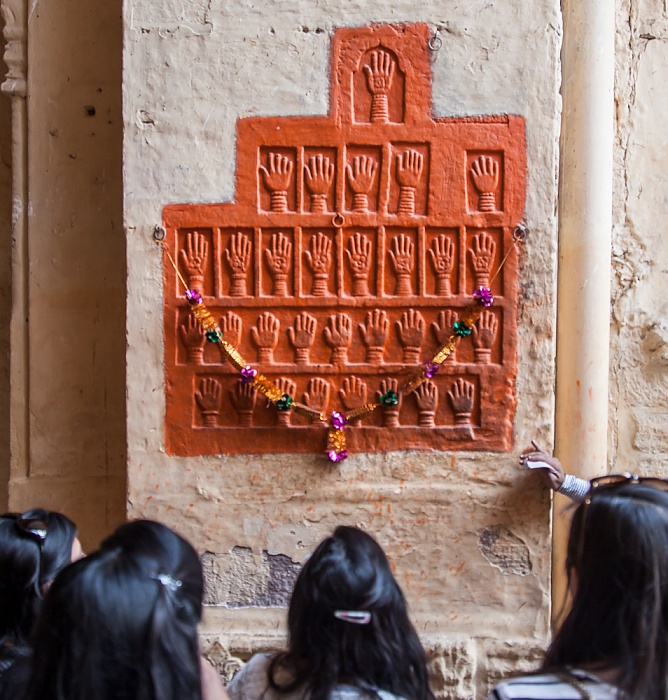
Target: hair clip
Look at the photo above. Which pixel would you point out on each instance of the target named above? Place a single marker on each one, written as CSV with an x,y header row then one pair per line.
x,y
171,584
357,617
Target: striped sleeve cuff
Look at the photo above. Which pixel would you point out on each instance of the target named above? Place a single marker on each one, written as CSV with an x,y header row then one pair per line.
x,y
575,488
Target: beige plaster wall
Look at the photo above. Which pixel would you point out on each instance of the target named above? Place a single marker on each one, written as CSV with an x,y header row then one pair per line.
x,y
71,397
639,350
5,284
468,534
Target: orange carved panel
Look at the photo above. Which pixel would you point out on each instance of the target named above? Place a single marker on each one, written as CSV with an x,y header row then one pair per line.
x,y
354,243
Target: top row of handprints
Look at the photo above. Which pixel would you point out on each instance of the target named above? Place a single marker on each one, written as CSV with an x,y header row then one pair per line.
x,y
370,179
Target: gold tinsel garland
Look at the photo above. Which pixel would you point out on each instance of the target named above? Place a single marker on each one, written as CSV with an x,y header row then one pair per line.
x,y
336,438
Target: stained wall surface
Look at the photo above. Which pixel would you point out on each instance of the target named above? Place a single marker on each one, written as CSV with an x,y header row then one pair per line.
x,y
5,286
467,533
68,398
639,350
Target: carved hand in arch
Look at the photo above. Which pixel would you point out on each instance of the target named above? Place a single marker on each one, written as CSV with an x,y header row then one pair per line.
x,y
277,180
390,414
361,174
208,400
279,261
484,331
230,325
379,72
401,254
358,253
443,328
317,394
194,259
243,398
409,168
320,261
338,335
411,334
353,394
461,397
319,174
302,336
482,255
286,386
374,333
265,336
485,174
192,337
442,255
238,255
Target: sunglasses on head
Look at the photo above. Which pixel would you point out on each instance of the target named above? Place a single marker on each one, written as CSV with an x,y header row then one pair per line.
x,y
612,480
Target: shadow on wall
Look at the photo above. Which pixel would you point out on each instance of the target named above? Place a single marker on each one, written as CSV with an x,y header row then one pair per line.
x,y
75,274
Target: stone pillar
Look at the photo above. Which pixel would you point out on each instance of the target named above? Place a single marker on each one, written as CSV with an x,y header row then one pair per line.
x,y
67,441
585,209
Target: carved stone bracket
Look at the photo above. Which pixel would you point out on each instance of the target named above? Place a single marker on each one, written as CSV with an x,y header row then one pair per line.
x,y
15,16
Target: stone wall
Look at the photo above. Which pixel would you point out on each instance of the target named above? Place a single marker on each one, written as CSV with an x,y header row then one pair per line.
x,y
68,271
639,350
5,285
467,533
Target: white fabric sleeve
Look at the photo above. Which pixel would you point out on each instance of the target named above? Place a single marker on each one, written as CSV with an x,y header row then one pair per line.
x,y
575,488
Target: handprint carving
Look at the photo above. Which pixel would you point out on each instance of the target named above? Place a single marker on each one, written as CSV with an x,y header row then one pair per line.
x,y
316,395
192,337
230,325
411,335
401,254
482,254
358,253
443,327
243,398
353,395
361,174
484,335
427,401
279,262
301,336
374,334
194,258
390,414
320,261
238,255
338,335
461,397
379,72
208,399
442,255
319,175
485,174
409,171
265,336
277,180
286,386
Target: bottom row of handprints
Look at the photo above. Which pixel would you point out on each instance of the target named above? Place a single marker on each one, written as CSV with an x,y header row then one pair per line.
x,y
354,393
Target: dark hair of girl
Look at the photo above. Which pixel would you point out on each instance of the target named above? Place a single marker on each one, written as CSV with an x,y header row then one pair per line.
x,y
122,623
349,571
20,565
618,553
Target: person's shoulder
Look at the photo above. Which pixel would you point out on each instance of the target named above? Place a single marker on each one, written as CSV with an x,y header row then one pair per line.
x,y
550,686
251,681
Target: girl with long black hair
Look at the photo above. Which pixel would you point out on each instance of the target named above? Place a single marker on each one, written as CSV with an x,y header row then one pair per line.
x,y
614,641
122,623
349,635
34,547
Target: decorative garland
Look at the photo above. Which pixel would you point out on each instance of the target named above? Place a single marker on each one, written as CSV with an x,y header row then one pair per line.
x,y
336,437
